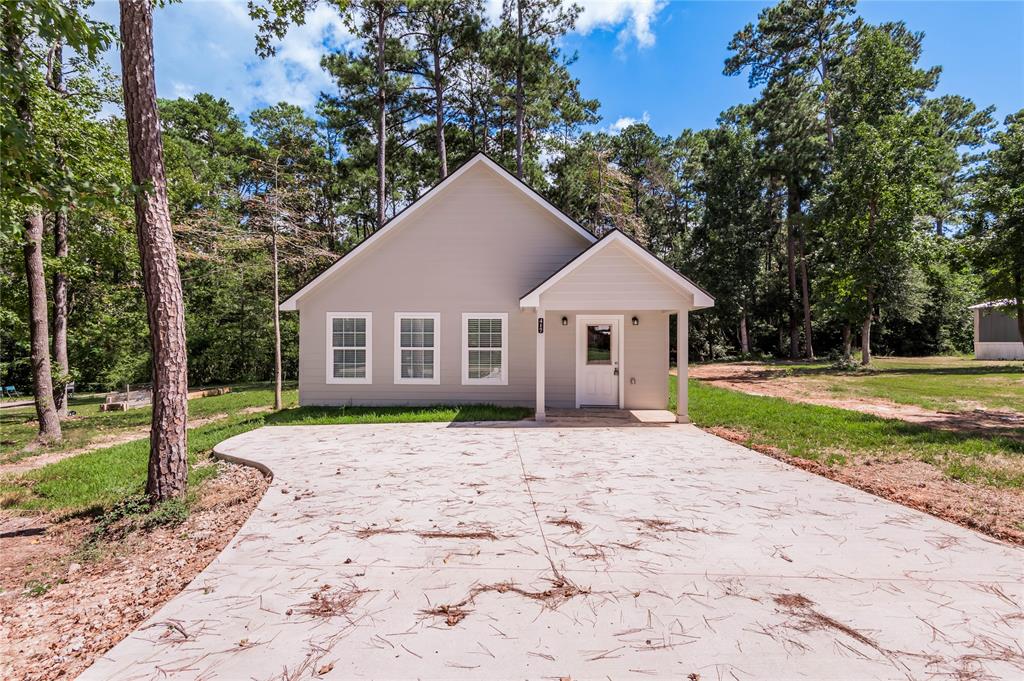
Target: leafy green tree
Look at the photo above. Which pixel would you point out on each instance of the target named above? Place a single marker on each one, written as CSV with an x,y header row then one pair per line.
x,y
884,172
532,27
445,35
998,217
374,83
35,177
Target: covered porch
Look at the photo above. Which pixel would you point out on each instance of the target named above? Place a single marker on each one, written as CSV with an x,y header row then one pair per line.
x,y
602,330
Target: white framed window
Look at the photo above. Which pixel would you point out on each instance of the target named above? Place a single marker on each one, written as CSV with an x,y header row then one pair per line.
x,y
485,348
418,347
349,347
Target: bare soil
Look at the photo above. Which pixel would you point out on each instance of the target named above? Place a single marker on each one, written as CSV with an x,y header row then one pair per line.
x,y
757,379
62,607
997,512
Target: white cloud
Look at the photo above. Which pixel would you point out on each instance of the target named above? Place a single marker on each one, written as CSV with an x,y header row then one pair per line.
x,y
633,18
626,121
636,15
210,47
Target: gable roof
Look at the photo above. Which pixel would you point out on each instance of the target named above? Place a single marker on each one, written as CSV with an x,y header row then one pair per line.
x,y
701,298
394,223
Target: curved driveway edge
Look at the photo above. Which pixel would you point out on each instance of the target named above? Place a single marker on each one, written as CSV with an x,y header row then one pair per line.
x,y
525,551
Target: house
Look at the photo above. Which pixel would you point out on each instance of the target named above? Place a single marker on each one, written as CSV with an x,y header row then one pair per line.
x,y
996,335
483,292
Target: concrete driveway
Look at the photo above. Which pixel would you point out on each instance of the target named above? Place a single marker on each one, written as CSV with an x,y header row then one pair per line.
x,y
520,551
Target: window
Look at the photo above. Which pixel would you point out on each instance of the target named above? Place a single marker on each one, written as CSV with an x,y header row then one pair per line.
x,y
417,346
349,346
485,348
599,344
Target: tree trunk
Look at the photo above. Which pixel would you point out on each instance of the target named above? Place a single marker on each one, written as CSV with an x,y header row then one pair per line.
x,y
168,443
442,152
805,296
382,114
793,215
865,332
520,97
55,80
794,325
744,340
847,341
49,422
277,325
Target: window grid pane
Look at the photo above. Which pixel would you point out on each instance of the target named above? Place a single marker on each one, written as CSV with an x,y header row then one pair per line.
x,y
485,352
348,338
416,345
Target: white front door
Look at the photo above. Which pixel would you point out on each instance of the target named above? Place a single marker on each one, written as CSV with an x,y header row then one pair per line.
x,y
598,356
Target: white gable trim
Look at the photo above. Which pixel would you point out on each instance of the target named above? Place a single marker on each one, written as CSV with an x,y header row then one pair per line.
x,y
701,299
291,303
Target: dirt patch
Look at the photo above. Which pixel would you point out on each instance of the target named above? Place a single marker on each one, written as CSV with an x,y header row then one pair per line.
x,y
997,512
62,607
102,442
757,379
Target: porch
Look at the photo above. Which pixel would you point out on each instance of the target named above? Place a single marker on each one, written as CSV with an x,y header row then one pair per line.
x,y
611,305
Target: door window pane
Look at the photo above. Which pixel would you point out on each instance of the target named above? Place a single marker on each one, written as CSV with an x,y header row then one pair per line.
x,y
599,344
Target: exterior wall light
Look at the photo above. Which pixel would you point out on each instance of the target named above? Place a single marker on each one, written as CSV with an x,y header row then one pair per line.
x,y
636,322
565,321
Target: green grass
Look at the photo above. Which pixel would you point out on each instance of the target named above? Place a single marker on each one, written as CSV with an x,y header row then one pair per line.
x,y
936,383
18,427
97,480
834,436
308,416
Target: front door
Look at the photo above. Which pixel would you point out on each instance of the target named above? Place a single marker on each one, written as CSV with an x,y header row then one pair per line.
x,y
597,357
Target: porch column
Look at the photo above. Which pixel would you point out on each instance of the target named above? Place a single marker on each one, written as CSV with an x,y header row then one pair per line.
x,y
682,366
539,413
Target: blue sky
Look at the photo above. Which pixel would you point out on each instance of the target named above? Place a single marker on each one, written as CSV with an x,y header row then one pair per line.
x,y
643,59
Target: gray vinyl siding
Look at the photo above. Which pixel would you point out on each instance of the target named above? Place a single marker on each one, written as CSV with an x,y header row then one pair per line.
x,y
645,361
995,326
616,279
477,247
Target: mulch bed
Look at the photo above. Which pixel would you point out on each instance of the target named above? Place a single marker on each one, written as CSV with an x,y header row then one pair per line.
x,y
61,608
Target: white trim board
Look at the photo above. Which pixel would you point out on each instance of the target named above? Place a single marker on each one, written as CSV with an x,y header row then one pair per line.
x,y
291,304
701,299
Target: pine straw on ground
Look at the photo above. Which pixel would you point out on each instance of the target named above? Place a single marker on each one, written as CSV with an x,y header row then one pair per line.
x,y
997,512
89,600
468,533
561,590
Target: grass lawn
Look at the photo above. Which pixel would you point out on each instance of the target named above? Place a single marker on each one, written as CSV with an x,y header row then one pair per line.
x,y
936,383
95,480
18,426
834,436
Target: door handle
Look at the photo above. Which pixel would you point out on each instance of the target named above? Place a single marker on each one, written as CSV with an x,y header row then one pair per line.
x,y
616,372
